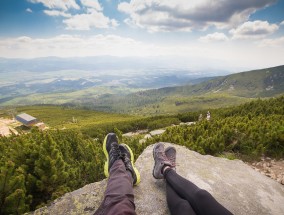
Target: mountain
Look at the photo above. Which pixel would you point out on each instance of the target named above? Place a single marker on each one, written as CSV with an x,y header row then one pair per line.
x,y
217,92
53,80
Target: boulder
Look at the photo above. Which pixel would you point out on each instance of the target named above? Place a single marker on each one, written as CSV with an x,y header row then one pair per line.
x,y
234,184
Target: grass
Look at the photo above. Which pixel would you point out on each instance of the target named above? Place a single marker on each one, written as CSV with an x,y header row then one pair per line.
x,y
62,117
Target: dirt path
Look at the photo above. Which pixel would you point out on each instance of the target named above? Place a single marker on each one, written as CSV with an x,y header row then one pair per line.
x,y
7,125
271,168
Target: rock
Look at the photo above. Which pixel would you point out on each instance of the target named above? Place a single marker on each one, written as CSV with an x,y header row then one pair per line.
x,y
234,184
157,132
147,136
190,123
282,181
142,141
129,134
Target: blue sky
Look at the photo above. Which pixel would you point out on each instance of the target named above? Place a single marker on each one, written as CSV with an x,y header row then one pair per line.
x,y
219,33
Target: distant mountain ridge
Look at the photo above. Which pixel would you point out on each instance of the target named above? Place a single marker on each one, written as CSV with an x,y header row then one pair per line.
x,y
234,89
264,82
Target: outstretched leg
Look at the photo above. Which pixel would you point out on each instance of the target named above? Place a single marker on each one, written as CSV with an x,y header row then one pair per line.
x,y
119,197
119,167
178,205
201,201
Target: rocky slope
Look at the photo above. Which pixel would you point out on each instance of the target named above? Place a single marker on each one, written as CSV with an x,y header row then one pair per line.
x,y
233,183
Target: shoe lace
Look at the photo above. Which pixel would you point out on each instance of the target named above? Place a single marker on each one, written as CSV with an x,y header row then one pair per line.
x,y
172,160
114,151
126,161
163,157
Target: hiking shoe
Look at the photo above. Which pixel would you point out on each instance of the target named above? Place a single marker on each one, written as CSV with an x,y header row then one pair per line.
x,y
111,151
160,159
128,160
170,152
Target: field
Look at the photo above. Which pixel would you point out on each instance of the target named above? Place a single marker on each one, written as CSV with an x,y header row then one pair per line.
x,y
70,118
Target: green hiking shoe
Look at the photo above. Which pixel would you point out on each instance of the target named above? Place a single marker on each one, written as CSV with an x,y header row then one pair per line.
x,y
128,160
111,151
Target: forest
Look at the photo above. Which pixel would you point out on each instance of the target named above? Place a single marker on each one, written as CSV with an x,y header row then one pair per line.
x,y
40,166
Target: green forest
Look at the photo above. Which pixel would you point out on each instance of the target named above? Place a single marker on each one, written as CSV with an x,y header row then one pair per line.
x,y
40,166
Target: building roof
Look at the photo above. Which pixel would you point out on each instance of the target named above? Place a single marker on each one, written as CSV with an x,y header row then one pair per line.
x,y
25,118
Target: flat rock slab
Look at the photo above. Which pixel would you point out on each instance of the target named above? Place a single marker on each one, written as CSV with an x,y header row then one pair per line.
x,y
157,132
234,184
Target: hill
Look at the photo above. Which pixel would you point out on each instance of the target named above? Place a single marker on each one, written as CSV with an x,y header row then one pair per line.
x,y
41,166
218,92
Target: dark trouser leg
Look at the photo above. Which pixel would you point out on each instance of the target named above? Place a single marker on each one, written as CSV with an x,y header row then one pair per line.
x,y
178,205
119,197
201,201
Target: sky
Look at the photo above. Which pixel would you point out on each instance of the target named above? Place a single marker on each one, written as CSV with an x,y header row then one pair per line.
x,y
227,34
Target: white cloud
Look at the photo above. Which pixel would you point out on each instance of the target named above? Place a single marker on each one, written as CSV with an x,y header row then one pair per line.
x,y
277,42
282,23
93,4
215,37
182,15
70,46
180,55
58,4
88,21
254,30
92,17
29,10
56,13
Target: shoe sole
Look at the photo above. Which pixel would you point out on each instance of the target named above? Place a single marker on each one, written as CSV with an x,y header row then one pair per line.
x,y
154,160
132,163
107,158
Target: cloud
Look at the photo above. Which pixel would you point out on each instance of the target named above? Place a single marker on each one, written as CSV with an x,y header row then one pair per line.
x,y
254,30
276,42
56,13
215,37
29,10
93,4
182,15
58,4
180,54
90,17
88,21
70,46
282,23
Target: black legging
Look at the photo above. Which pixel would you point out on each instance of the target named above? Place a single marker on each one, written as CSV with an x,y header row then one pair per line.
x,y
184,197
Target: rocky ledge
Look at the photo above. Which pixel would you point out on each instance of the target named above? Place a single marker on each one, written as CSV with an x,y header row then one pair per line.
x,y
233,183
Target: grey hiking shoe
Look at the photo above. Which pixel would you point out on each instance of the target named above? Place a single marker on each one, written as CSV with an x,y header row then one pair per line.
x,y
111,151
128,160
160,159
170,152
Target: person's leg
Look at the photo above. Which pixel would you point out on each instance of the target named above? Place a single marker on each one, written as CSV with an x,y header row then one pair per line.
x,y
201,201
119,197
178,205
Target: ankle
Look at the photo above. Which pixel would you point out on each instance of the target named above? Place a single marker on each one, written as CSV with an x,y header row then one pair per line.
x,y
165,168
